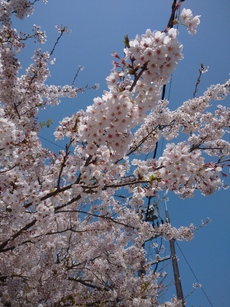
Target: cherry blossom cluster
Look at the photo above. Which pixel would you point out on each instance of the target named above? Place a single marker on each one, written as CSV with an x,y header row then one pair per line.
x,y
180,170
110,119
190,21
21,8
72,230
159,51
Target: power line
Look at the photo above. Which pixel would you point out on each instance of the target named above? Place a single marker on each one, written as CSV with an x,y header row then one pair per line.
x,y
41,137
202,289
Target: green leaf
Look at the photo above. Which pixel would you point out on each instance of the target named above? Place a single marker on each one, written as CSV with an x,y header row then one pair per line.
x,y
126,41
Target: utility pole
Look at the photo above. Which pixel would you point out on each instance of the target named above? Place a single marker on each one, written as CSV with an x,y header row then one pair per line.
x,y
176,272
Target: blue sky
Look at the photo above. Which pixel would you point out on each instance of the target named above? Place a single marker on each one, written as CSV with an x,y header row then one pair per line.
x,y
98,28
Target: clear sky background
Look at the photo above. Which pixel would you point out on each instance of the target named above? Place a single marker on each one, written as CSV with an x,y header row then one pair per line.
x,y
98,28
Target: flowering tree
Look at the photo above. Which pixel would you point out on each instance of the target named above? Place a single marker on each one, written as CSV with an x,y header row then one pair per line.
x,y
74,224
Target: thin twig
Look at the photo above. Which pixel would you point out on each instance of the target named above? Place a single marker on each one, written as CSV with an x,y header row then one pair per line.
x,y
62,31
80,68
201,71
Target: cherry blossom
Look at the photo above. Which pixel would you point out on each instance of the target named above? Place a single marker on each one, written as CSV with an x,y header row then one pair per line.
x,y
189,21
72,227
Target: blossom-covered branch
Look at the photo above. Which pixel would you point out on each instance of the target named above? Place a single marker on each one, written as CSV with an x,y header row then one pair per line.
x,y
62,220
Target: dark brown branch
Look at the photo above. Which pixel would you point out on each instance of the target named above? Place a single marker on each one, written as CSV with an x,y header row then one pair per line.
x,y
88,284
201,71
197,146
16,109
142,141
13,237
172,17
69,202
96,215
62,31
63,164
67,187
5,171
137,77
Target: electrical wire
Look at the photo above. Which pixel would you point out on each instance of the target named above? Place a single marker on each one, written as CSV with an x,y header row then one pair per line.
x,y
59,146
41,137
202,289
